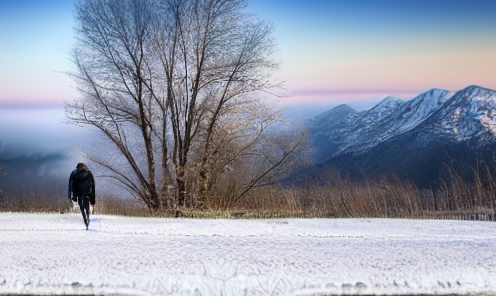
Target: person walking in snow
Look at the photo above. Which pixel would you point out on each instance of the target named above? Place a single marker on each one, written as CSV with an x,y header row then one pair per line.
x,y
82,188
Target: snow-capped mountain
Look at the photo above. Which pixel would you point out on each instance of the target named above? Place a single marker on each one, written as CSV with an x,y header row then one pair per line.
x,y
399,136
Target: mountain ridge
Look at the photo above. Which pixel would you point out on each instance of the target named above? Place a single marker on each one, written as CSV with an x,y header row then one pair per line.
x,y
432,127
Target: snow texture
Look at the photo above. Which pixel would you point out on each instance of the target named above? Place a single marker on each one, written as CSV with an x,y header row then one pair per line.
x,y
53,254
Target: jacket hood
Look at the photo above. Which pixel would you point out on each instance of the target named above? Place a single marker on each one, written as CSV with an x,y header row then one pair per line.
x,y
81,167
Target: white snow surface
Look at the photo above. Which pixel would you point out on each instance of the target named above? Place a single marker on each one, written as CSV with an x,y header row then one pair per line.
x,y
53,254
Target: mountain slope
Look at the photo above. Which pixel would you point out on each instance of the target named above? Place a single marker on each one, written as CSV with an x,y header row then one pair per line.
x,y
414,139
359,131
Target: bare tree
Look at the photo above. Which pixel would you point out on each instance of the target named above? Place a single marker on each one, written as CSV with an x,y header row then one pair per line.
x,y
166,79
111,58
250,148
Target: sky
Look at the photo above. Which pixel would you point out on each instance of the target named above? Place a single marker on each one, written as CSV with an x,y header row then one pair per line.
x,y
331,51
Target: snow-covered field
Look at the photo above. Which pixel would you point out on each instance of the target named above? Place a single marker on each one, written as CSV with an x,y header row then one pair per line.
x,y
52,253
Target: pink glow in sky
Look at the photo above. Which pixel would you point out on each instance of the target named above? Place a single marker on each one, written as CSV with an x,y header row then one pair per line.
x,y
331,51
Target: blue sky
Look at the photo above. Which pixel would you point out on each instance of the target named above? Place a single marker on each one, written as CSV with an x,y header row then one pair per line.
x,y
35,41
332,52
359,51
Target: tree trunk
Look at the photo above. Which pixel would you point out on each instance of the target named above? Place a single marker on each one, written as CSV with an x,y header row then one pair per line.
x,y
154,203
204,184
181,187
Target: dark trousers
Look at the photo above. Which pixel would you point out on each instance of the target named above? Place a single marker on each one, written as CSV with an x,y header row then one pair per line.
x,y
84,206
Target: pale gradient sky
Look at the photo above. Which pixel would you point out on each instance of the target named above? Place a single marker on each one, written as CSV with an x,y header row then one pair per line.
x,y
332,52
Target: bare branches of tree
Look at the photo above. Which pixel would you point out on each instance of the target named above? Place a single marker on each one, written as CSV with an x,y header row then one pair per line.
x,y
177,81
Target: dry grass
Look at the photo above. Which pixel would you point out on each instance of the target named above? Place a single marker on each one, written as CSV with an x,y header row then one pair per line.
x,y
47,199
44,199
112,205
385,197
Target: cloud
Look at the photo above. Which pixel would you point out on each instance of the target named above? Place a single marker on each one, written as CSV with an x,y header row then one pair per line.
x,y
351,91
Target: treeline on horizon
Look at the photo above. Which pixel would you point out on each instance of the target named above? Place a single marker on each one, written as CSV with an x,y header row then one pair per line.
x,y
458,196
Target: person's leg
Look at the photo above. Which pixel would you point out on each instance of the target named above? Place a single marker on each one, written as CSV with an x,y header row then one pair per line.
x,y
82,209
87,209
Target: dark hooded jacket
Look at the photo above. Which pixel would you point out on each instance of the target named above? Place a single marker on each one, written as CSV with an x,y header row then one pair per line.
x,y
83,184
71,180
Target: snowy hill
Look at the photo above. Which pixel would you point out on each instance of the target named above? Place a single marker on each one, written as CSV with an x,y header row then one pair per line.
x,y
410,138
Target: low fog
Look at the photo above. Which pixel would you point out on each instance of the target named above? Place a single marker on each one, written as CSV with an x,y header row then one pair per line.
x,y
38,149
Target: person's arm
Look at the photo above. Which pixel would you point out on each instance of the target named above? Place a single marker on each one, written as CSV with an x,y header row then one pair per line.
x,y
74,186
71,180
93,193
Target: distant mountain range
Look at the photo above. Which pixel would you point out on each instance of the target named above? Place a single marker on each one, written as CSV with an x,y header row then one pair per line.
x,y
415,139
